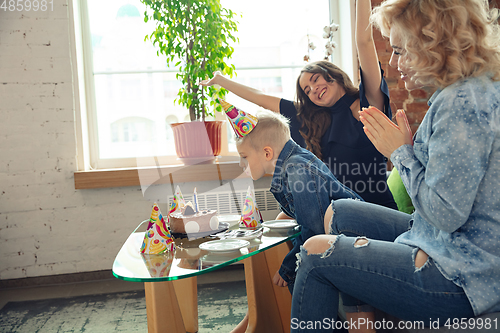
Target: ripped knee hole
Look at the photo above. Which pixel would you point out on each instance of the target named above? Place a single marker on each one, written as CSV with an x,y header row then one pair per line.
x,y
361,242
319,244
421,259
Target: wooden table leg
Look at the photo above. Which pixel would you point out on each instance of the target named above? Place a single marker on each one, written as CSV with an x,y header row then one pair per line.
x,y
172,306
162,308
268,305
187,296
274,258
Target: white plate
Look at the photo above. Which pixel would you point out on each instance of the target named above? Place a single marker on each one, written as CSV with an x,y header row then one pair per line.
x,y
224,245
280,224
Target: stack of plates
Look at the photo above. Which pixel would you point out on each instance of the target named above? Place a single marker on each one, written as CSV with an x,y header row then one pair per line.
x,y
224,245
280,224
240,234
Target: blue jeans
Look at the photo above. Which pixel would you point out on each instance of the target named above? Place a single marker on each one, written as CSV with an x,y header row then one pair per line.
x,y
380,274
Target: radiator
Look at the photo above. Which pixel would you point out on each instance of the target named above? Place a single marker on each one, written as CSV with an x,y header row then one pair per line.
x,y
232,202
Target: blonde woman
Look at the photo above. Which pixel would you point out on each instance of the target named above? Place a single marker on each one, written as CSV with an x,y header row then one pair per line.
x,y
446,266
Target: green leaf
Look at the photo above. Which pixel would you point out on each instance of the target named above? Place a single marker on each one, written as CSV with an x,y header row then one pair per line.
x,y
198,36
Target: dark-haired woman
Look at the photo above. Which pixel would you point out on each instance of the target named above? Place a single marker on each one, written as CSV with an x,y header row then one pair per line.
x,y
325,118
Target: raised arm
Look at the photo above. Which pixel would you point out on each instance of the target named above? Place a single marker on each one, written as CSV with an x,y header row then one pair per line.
x,y
250,94
367,54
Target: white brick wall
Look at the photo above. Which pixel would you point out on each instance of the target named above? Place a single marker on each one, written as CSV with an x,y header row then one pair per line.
x,y
46,226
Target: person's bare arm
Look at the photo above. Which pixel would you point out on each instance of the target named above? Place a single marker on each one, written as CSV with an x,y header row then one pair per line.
x,y
367,54
250,94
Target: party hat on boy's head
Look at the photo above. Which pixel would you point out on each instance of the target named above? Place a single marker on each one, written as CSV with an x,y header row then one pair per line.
x,y
242,122
250,216
178,201
157,238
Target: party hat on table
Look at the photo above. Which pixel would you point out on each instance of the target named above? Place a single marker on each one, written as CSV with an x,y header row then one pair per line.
x,y
155,212
157,238
242,122
178,201
250,216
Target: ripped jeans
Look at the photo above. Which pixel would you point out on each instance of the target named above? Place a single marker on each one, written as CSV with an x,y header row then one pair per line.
x,y
379,274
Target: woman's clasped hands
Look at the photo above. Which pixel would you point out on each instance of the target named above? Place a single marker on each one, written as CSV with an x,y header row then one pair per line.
x,y
383,133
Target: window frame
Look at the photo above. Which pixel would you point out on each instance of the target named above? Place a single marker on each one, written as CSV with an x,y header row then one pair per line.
x,y
341,12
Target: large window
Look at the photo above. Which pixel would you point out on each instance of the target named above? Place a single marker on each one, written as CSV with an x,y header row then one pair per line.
x,y
128,92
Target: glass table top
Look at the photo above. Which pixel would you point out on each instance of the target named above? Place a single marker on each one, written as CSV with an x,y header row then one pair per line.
x,y
189,259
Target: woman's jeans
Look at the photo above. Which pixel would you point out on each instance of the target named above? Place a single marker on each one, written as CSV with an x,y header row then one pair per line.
x,y
380,274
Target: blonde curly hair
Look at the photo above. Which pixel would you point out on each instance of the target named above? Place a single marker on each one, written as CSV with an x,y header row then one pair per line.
x,y
446,40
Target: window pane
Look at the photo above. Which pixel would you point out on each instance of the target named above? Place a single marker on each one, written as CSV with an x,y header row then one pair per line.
x,y
275,34
145,98
135,90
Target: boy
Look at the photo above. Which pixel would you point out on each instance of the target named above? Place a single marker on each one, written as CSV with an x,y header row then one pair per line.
x,y
302,184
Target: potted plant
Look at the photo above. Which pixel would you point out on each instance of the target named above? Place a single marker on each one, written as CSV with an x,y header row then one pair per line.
x,y
195,37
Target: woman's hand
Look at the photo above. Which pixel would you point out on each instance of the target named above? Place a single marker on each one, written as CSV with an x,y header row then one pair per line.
x,y
383,133
213,80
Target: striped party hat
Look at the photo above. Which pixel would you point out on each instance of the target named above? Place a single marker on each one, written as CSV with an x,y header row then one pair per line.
x,y
241,121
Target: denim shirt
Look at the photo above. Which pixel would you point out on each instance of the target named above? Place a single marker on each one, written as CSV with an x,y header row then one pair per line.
x,y
304,188
452,174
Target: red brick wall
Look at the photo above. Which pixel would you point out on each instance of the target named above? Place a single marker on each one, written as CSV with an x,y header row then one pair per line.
x,y
414,102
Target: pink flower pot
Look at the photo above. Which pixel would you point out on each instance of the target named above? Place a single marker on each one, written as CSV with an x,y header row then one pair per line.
x,y
197,141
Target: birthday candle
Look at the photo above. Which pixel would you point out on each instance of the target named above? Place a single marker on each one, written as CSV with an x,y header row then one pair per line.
x,y
195,198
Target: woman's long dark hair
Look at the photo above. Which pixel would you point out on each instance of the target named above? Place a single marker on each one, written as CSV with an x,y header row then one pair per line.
x,y
316,119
